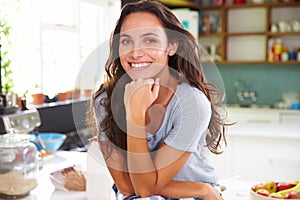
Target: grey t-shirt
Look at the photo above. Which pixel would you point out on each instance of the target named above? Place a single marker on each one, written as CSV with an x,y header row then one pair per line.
x,y
184,127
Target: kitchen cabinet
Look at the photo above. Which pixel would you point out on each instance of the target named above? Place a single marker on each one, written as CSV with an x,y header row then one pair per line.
x,y
246,38
245,30
261,149
262,115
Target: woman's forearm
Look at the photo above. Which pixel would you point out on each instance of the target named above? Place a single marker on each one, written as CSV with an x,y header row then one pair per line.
x,y
140,165
182,189
116,165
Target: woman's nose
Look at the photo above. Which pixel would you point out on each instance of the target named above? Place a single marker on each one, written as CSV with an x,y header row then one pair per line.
x,y
137,52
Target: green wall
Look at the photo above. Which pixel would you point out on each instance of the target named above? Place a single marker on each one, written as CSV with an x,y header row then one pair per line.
x,y
270,81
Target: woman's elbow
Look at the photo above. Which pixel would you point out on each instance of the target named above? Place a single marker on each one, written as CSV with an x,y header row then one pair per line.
x,y
145,191
126,189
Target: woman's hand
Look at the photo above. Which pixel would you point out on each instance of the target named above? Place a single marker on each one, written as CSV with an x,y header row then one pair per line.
x,y
210,193
139,96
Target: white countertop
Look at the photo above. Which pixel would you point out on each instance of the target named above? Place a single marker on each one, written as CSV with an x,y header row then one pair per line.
x,y
236,189
45,189
274,130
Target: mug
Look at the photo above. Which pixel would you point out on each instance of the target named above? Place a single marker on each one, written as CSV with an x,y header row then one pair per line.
x,y
274,28
283,26
295,25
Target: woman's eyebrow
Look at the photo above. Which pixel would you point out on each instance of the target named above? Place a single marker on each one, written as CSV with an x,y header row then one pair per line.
x,y
143,35
150,34
124,35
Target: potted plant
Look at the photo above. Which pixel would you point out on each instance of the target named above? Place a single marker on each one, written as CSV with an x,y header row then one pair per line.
x,y
7,83
38,97
8,100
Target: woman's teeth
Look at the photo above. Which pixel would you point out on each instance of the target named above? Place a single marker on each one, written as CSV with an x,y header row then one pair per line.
x,y
139,65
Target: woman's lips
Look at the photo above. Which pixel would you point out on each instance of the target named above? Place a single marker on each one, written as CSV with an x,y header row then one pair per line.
x,y
140,65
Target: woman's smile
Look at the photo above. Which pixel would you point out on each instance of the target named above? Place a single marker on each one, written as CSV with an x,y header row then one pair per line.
x,y
140,65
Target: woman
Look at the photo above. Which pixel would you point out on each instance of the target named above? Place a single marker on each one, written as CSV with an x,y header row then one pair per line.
x,y
155,112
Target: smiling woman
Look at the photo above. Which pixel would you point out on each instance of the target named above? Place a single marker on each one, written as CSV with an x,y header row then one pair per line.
x,y
154,86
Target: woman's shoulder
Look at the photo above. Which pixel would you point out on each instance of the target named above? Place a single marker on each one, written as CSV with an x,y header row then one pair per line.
x,y
186,90
191,97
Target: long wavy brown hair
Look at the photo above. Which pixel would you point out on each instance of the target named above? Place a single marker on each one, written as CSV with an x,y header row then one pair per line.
x,y
186,63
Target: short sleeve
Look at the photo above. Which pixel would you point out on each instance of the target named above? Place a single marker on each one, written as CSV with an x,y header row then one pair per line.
x,y
191,117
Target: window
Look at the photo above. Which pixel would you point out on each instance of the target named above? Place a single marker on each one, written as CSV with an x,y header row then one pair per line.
x,y
51,40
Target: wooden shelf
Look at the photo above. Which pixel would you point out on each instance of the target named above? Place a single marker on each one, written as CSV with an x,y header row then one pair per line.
x,y
229,40
245,34
281,4
212,35
292,33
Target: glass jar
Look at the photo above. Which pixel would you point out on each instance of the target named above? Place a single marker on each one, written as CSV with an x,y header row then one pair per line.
x,y
18,165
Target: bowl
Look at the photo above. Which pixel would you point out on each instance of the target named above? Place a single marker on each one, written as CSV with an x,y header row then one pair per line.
x,y
53,141
255,196
271,190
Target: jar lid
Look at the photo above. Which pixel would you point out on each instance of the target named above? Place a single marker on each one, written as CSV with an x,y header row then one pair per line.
x,y
13,139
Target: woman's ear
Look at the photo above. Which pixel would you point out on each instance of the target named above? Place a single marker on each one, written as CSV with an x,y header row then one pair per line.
x,y
173,46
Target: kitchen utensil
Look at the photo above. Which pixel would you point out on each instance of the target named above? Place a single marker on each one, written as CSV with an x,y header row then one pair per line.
x,y
52,141
39,139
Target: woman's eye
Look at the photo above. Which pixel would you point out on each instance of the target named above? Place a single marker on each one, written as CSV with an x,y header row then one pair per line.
x,y
151,41
125,41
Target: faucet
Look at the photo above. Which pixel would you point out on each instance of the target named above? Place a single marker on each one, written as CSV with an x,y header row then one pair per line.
x,y
243,91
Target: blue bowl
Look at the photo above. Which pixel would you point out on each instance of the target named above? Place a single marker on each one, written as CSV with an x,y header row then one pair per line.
x,y
53,141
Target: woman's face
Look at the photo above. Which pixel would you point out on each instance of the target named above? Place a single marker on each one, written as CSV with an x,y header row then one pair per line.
x,y
144,46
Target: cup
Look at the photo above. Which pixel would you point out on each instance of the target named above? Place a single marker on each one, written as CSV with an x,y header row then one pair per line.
x,y
295,25
282,26
274,28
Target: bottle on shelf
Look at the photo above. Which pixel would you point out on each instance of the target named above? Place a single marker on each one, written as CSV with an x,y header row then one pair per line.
x,y
271,50
278,49
285,54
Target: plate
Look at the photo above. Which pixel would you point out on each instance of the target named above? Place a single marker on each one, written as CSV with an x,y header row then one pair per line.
x,y
69,179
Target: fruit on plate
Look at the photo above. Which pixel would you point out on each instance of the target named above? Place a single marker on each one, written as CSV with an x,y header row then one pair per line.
x,y
294,182
284,186
278,190
271,186
276,195
263,192
292,195
258,186
296,188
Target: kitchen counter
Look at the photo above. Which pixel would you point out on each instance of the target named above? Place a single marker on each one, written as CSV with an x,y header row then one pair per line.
x,y
236,189
265,130
45,189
